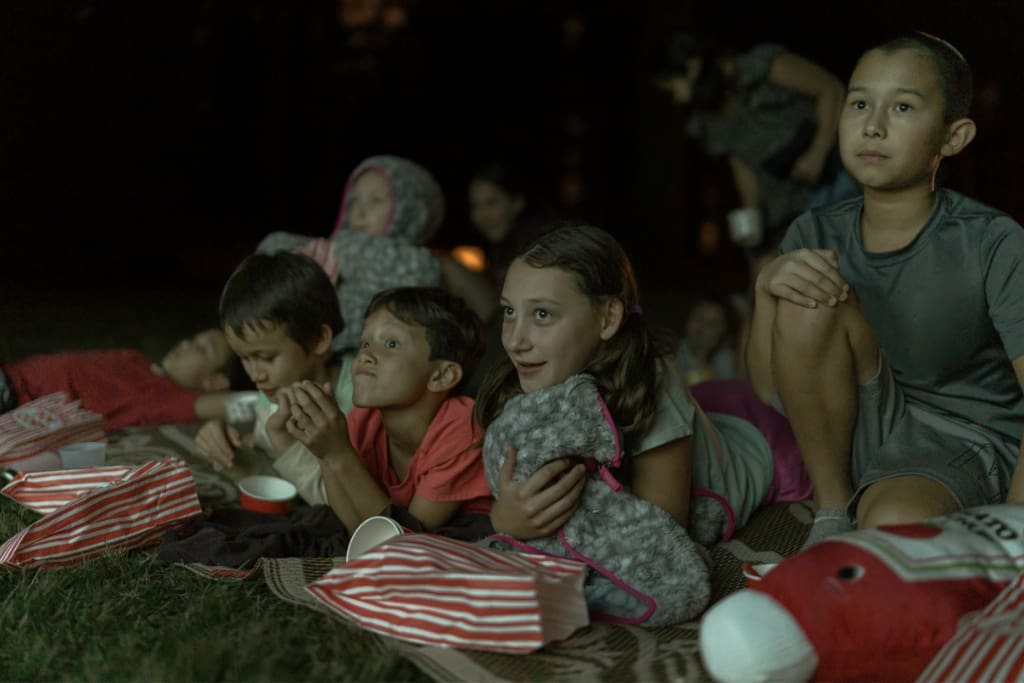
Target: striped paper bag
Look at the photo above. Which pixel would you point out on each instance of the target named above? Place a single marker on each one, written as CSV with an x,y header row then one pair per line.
x,y
436,591
132,511
44,492
42,426
988,647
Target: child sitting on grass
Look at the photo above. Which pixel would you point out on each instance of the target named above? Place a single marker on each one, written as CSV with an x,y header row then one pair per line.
x,y
192,381
410,441
892,326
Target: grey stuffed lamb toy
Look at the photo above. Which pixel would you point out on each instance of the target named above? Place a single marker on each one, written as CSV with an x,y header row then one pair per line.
x,y
644,567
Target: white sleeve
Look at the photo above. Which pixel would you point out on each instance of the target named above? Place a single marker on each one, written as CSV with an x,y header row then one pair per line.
x,y
299,466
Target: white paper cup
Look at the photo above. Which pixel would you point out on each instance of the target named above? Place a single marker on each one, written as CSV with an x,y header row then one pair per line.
x,y
746,228
47,461
241,408
83,454
371,533
266,494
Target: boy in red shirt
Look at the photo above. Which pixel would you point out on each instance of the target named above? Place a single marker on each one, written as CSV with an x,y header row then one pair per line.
x,y
127,388
409,441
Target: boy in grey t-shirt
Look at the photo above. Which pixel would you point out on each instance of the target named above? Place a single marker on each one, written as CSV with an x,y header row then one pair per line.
x,y
892,326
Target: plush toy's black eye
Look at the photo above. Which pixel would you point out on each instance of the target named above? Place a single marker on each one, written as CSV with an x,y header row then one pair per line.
x,y
851,573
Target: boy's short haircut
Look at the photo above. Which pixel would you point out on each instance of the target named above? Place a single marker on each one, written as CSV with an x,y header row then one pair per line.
x,y
955,77
454,332
280,289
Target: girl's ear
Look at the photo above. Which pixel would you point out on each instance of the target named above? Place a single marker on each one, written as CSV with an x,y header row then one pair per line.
x,y
445,376
322,346
958,135
612,315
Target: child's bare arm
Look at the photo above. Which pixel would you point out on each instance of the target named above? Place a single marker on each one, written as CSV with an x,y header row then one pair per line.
x,y
1016,492
432,514
318,423
662,476
217,441
213,405
795,73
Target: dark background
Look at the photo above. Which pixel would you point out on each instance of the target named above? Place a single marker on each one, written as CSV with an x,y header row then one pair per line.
x,y
156,141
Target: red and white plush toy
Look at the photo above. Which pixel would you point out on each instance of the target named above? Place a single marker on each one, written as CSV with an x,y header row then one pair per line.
x,y
874,604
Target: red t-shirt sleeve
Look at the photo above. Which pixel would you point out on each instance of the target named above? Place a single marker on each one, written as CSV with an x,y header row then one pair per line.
x,y
366,433
448,467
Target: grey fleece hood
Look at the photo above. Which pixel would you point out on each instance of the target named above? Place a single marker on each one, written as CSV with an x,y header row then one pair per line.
x,y
417,198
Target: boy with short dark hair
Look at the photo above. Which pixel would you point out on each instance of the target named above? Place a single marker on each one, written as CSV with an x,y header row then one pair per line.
x,y
279,314
892,326
409,441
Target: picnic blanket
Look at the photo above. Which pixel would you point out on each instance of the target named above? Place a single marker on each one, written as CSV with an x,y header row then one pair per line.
x,y
600,652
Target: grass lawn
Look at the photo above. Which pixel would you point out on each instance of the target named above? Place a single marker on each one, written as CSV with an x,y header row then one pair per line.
x,y
126,617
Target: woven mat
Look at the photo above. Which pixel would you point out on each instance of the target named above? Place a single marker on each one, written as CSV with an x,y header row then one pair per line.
x,y
601,652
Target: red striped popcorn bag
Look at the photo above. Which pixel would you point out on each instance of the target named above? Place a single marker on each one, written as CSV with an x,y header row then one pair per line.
x,y
35,430
44,492
987,647
132,510
432,590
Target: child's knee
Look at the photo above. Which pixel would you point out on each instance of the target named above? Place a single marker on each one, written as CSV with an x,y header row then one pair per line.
x,y
800,327
903,500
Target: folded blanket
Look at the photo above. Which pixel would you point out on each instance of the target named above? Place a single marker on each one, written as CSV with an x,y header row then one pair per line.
x,y
645,568
231,537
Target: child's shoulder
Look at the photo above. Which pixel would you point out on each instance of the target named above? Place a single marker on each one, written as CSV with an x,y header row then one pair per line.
x,y
964,210
826,226
457,407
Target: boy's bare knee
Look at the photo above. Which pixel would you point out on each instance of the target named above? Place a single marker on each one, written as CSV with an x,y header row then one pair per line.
x,y
903,500
798,325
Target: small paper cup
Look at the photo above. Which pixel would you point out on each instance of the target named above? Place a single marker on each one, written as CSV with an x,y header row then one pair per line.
x,y
241,408
745,227
83,454
272,495
371,533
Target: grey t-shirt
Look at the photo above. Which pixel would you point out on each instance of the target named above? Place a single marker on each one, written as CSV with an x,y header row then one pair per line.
x,y
730,456
947,309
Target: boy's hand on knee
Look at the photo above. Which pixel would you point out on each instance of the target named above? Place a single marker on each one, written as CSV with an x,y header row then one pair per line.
x,y
277,430
806,277
217,441
316,419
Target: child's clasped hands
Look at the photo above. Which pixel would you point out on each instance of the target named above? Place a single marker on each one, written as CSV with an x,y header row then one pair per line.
x,y
307,412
